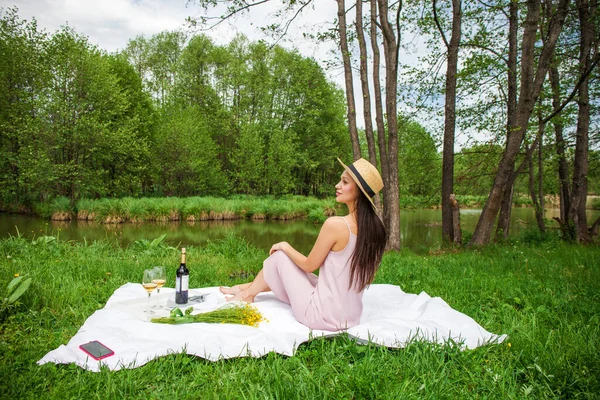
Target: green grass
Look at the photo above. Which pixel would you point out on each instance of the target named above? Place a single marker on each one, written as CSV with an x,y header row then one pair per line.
x,y
544,294
202,209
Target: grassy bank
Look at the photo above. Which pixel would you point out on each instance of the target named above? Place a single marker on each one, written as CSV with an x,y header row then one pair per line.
x,y
190,209
193,209
543,294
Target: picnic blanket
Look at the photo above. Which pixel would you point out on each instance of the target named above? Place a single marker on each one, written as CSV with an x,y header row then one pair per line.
x,y
390,318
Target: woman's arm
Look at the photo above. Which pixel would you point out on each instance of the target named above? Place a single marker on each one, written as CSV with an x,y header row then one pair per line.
x,y
331,232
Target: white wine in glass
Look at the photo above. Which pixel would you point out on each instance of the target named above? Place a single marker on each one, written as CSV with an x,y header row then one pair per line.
x,y
149,284
160,277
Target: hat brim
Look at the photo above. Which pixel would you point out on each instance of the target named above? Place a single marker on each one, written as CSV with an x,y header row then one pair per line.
x,y
357,181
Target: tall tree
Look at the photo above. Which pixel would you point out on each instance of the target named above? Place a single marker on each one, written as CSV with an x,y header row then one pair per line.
x,y
503,227
419,161
364,84
532,79
186,156
449,117
563,167
348,80
388,132
389,150
22,81
381,138
588,34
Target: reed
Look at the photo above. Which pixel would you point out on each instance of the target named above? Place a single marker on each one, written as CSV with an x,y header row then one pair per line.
x,y
193,209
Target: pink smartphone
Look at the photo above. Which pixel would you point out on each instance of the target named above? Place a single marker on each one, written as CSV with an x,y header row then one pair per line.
x,y
96,350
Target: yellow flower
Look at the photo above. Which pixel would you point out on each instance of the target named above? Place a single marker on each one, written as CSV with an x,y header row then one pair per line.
x,y
16,275
509,345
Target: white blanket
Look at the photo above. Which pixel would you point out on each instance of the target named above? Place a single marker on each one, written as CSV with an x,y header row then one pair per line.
x,y
390,318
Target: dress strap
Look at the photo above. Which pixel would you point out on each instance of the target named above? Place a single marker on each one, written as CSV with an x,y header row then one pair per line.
x,y
348,225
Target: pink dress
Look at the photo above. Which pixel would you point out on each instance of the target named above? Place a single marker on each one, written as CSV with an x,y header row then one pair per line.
x,y
319,302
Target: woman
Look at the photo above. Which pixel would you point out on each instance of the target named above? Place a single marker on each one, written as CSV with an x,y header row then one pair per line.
x,y
348,250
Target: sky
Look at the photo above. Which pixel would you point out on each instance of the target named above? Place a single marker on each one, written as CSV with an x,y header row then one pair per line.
x,y
110,24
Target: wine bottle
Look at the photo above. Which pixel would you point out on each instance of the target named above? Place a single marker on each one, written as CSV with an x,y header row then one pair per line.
x,y
182,281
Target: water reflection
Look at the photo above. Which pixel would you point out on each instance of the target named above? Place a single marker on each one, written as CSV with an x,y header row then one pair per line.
x,y
419,229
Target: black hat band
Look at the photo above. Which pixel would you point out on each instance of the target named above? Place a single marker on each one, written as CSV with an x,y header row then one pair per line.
x,y
362,182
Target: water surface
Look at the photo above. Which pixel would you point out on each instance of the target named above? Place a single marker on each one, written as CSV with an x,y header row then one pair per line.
x,y
420,230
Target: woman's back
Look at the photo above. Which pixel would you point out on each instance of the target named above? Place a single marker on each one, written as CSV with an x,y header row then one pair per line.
x,y
339,307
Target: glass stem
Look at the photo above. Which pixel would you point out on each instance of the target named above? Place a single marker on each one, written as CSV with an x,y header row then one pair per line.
x,y
148,310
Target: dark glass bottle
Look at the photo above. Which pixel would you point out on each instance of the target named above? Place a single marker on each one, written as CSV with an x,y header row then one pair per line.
x,y
182,281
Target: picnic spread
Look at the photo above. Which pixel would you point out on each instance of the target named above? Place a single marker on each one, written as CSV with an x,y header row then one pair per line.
x,y
390,318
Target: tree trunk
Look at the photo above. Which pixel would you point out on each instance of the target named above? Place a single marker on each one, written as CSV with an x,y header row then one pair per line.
x,y
531,85
563,168
594,228
503,226
364,81
348,80
541,222
381,136
448,233
392,199
457,240
580,163
537,201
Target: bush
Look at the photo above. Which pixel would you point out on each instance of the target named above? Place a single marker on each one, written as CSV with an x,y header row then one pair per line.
x,y
317,216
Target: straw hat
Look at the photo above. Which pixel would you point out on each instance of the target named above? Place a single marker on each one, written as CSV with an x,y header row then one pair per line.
x,y
366,177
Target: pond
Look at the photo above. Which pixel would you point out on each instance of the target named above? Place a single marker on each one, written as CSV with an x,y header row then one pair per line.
x,y
420,229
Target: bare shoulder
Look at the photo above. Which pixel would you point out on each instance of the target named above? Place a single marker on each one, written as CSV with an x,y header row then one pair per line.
x,y
334,224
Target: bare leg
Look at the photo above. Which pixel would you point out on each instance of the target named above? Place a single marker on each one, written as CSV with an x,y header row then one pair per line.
x,y
235,289
257,286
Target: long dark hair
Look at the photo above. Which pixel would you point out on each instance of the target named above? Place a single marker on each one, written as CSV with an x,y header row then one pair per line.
x,y
370,244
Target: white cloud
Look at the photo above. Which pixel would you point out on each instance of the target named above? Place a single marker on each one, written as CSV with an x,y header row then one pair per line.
x,y
109,24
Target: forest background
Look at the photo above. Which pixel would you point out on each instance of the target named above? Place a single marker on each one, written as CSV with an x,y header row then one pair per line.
x,y
178,115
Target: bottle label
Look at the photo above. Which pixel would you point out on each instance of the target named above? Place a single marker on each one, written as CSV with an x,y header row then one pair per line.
x,y
184,283
178,284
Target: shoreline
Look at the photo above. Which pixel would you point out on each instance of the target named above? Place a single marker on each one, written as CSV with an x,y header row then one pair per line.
x,y
193,209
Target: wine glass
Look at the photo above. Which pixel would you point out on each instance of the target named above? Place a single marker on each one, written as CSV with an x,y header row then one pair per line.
x,y
149,284
160,277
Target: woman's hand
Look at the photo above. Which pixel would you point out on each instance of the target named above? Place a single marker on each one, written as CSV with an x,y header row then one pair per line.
x,y
278,246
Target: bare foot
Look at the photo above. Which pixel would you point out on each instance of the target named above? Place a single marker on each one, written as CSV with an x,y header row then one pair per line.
x,y
242,296
234,289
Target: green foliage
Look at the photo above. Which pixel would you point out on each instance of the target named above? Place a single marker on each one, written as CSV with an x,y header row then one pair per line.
x,y
23,160
15,289
249,171
419,164
154,246
88,123
317,216
201,208
475,168
167,116
186,156
43,240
